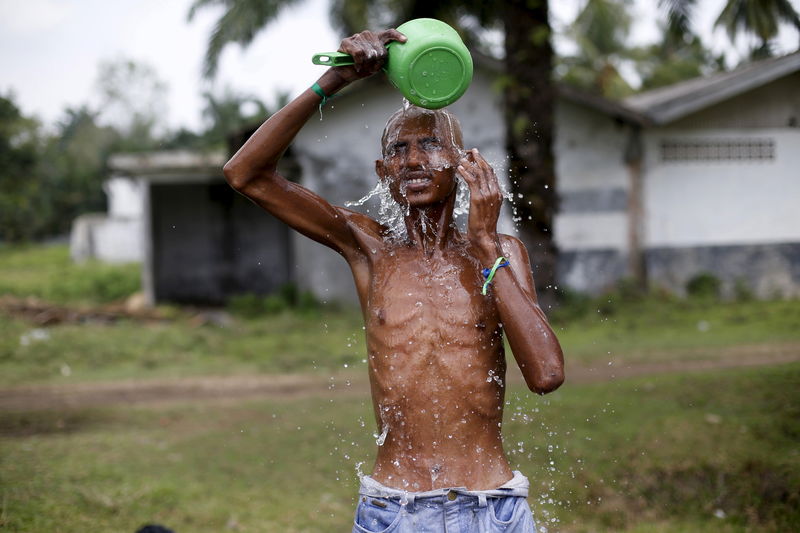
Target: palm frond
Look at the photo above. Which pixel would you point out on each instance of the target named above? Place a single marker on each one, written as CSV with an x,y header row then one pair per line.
x,y
241,21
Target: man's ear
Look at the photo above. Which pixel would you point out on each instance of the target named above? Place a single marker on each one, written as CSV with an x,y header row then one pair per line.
x,y
380,169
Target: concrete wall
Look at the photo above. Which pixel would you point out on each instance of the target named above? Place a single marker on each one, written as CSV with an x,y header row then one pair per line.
x,y
724,202
125,197
112,240
591,227
115,237
721,193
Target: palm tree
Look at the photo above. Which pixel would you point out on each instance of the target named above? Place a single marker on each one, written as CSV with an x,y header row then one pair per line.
x,y
761,18
527,88
600,32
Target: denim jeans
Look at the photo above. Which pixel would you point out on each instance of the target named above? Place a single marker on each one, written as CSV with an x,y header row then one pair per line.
x,y
383,509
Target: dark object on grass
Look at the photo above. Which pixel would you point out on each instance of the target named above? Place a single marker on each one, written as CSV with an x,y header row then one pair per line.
x,y
154,528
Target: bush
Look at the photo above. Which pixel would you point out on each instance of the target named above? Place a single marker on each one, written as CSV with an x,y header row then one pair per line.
x,y
286,297
742,291
571,305
704,286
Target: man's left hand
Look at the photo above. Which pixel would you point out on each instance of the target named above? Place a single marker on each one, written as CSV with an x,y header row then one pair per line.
x,y
485,200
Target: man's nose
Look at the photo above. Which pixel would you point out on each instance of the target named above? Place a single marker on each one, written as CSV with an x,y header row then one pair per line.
x,y
414,157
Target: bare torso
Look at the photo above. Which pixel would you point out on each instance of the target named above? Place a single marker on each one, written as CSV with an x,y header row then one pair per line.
x,y
436,368
435,345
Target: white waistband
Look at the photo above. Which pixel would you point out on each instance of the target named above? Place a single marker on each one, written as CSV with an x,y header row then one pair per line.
x,y
516,486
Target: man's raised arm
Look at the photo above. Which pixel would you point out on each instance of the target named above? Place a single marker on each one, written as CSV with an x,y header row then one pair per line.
x,y
253,169
533,342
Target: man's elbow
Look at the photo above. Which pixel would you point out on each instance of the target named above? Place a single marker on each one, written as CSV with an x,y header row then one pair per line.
x,y
234,175
547,382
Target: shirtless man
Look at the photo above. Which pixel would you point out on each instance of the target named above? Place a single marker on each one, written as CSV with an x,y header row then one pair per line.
x,y
434,341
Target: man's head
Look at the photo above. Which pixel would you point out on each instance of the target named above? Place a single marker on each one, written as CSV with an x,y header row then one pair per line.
x,y
421,150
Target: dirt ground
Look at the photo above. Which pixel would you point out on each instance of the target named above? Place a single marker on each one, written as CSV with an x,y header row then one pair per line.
x,y
288,386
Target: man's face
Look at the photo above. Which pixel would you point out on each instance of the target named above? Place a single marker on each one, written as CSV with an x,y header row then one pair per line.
x,y
421,153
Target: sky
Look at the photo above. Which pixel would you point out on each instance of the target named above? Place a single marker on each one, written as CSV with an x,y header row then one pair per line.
x,y
50,49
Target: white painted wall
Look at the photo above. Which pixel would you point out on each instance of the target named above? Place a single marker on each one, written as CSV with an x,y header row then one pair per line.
x,y
592,231
107,239
725,202
589,149
125,197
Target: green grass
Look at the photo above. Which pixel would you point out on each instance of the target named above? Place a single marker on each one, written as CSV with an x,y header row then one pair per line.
x,y
660,454
328,340
325,341
616,328
655,329
47,272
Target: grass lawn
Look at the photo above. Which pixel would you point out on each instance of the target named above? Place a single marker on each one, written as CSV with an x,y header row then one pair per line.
x,y
712,451
608,330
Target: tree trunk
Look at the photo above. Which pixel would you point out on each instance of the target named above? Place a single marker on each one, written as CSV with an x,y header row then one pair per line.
x,y
528,106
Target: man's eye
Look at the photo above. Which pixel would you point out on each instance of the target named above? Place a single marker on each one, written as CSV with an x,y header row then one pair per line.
x,y
431,144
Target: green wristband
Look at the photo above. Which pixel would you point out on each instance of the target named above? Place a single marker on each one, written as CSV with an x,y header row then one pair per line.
x,y
317,89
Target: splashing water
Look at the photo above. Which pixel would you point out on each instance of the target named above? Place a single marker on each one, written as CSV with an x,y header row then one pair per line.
x,y
390,213
380,439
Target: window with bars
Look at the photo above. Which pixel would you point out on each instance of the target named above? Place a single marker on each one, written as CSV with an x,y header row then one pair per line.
x,y
753,149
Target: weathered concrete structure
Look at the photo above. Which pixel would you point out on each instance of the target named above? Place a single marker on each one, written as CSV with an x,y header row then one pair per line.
x,y
700,176
203,241
697,177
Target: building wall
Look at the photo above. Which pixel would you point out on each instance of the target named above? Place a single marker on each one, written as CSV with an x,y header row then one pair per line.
x,y
774,105
694,201
124,196
721,193
591,227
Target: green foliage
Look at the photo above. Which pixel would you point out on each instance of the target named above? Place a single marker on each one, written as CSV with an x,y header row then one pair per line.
x,y
704,285
46,181
742,291
600,32
23,208
133,102
241,21
49,273
761,18
287,297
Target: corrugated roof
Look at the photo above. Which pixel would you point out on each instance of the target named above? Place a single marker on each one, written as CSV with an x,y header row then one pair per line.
x,y
666,104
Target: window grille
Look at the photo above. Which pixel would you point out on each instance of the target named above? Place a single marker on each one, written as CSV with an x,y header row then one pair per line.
x,y
718,150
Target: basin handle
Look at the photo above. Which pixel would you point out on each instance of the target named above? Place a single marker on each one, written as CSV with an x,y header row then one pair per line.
x,y
332,59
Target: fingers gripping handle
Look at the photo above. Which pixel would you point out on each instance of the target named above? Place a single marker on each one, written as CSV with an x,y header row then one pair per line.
x,y
332,59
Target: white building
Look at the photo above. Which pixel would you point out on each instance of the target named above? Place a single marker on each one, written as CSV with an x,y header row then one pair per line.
x,y
697,177
710,182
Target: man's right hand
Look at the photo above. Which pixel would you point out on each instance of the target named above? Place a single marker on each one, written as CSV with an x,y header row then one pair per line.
x,y
369,53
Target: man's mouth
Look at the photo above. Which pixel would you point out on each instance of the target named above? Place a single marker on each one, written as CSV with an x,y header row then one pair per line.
x,y
415,182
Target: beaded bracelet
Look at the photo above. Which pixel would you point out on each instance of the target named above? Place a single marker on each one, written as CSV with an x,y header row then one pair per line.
x,y
489,273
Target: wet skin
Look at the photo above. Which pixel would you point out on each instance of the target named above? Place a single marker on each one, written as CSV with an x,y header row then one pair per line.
x,y
435,343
